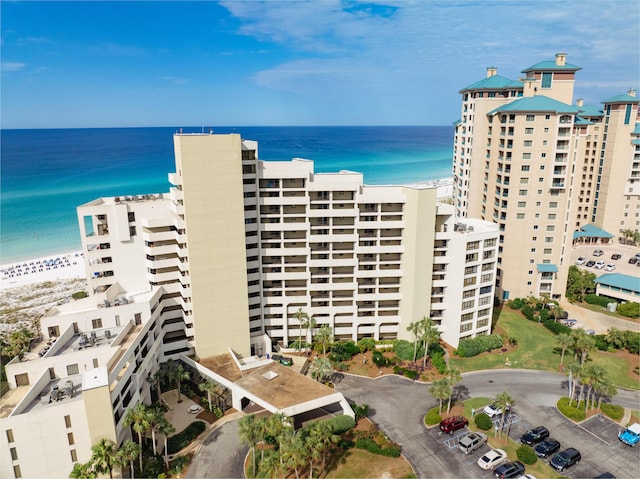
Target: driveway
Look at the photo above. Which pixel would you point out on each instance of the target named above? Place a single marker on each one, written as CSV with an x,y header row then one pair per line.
x,y
398,406
220,456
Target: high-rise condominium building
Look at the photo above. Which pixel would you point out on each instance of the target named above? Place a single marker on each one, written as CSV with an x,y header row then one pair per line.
x,y
543,168
220,264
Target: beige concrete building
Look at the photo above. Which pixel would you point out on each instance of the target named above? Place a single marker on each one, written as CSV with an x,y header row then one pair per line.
x,y
542,168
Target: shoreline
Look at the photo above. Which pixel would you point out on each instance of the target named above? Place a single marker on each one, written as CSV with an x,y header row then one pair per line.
x,y
53,267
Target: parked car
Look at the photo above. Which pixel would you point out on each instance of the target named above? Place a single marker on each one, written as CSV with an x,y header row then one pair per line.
x,y
610,267
565,459
590,263
493,410
631,435
599,265
616,256
534,436
471,442
492,459
581,260
453,423
509,470
598,252
547,447
633,260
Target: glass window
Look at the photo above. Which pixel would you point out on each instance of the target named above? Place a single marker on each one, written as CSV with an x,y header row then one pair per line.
x,y
546,79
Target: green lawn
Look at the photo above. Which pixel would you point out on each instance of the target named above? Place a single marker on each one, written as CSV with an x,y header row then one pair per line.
x,y
537,349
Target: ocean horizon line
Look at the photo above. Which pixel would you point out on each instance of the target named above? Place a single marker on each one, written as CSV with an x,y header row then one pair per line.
x,y
217,126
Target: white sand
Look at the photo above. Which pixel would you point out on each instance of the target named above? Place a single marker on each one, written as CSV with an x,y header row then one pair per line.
x,y
50,268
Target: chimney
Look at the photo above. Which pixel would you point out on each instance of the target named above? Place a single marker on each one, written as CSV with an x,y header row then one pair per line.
x,y
632,92
561,59
491,71
580,102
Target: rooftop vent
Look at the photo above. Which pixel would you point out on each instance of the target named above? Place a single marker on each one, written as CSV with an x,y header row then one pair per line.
x,y
269,375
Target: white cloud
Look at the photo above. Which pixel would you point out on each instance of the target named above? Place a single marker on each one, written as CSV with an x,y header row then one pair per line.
x,y
12,66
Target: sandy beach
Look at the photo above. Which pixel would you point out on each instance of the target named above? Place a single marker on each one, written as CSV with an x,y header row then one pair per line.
x,y
50,268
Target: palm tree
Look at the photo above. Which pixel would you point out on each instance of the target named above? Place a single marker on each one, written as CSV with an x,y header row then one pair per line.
x,y
127,454
596,374
212,388
156,418
324,336
292,450
300,316
616,337
573,369
440,390
308,322
140,421
453,376
313,452
606,388
178,374
582,344
414,328
83,471
155,380
19,340
504,402
321,369
166,428
249,435
324,437
104,456
627,234
563,339
429,334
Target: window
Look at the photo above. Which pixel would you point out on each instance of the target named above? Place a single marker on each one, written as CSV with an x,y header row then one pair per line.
x,y
546,80
522,204
482,323
531,117
524,168
72,369
16,471
526,156
548,239
487,266
484,301
67,421
528,142
551,228
486,277
528,131
547,117
465,327
95,362
522,192
470,281
9,435
469,293
473,245
553,204
627,114
546,130
96,323
70,438
551,216
489,242
524,180
547,251
74,455
14,454
520,216
530,272
468,304
470,269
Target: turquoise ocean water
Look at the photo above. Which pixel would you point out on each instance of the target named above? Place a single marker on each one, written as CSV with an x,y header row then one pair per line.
x,y
45,174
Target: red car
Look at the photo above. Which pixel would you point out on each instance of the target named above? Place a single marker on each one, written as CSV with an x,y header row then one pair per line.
x,y
453,423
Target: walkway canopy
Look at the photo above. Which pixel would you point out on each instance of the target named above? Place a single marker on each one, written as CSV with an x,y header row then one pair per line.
x,y
591,234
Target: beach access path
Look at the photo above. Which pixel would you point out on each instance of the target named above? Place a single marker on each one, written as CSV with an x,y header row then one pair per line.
x,y
54,267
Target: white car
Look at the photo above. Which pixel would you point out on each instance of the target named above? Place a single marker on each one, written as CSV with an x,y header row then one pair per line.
x,y
599,265
581,260
598,252
492,459
610,267
493,410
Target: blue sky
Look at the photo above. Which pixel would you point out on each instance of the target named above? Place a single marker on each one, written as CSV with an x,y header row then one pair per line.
x,y
321,62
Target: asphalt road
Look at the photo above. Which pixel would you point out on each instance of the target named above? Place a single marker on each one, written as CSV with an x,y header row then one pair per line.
x,y
221,455
398,406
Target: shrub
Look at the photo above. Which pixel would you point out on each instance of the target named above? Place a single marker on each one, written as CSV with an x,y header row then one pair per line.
x,y
599,300
411,374
373,447
601,343
544,315
366,344
572,412
474,346
341,424
343,351
483,421
361,410
632,341
182,439
613,411
403,349
437,359
433,417
526,454
380,360
79,295
556,328
630,310
516,303
528,312
345,443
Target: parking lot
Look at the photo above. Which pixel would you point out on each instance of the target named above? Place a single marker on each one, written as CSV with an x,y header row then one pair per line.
x,y
622,264
596,439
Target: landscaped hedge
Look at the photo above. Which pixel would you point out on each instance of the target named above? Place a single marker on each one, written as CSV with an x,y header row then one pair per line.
x,y
437,359
433,417
370,445
343,351
599,300
474,346
572,412
556,328
483,421
366,344
341,424
613,411
410,373
379,359
630,310
182,439
526,454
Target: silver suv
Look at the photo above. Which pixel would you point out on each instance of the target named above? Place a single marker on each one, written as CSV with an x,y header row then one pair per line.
x,y
471,442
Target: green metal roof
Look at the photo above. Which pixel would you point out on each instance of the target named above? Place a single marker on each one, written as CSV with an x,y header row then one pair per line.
x,y
618,280
590,110
495,82
591,231
635,142
622,99
536,103
551,66
636,130
582,121
547,268
457,122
